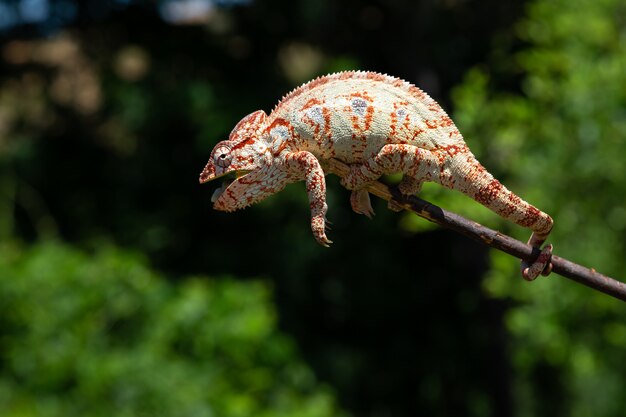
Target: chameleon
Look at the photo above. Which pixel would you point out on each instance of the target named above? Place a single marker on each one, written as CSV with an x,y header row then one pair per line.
x,y
376,123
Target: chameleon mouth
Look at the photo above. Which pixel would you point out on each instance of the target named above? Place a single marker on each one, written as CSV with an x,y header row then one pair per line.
x,y
229,178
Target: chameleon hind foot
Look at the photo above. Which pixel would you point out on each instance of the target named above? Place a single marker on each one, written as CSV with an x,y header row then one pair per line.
x,y
541,265
360,202
408,186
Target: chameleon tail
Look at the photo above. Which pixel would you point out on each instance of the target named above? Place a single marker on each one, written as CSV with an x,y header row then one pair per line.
x,y
476,182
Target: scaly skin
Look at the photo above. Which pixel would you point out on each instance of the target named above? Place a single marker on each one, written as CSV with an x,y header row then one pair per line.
x,y
379,125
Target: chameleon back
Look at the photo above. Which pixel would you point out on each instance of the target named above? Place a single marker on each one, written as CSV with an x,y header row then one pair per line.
x,y
352,115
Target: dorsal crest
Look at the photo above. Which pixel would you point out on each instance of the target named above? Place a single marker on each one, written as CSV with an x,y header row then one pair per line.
x,y
374,77
247,127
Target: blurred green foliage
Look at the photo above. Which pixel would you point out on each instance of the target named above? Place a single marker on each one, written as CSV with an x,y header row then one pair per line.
x,y
102,334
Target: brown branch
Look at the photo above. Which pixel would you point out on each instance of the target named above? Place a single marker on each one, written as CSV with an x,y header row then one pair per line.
x,y
431,212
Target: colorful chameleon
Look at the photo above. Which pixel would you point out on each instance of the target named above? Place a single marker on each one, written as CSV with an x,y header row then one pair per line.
x,y
379,125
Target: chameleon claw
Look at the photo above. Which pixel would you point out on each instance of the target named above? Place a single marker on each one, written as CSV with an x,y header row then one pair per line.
x,y
319,226
541,266
324,241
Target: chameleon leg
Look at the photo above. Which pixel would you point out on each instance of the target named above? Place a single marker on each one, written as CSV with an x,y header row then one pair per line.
x,y
304,165
417,164
410,185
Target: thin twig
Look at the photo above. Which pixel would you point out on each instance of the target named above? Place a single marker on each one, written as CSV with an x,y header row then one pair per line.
x,y
480,233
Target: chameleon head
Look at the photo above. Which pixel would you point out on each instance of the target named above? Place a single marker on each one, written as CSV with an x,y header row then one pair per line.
x,y
247,161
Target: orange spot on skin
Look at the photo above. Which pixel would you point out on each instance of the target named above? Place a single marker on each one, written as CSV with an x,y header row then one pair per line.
x,y
302,90
392,124
531,217
416,133
376,77
281,147
514,199
346,75
312,102
314,125
369,112
489,192
394,118
355,123
246,126
453,150
445,121
279,122
413,90
431,124
243,143
369,117
327,130
361,94
317,82
434,107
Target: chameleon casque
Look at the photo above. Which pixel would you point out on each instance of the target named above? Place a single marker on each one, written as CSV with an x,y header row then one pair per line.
x,y
378,124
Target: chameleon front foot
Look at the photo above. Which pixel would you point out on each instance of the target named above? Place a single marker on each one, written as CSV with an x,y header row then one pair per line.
x,y
319,226
541,265
323,240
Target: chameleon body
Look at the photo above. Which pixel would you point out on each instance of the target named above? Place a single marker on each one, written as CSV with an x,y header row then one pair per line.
x,y
379,125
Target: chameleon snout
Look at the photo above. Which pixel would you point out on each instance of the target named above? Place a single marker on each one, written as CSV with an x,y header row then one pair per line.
x,y
207,174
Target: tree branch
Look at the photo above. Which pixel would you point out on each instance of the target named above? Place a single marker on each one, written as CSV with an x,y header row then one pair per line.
x,y
475,231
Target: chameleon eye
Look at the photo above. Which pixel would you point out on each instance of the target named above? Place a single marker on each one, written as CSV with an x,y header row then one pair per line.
x,y
222,156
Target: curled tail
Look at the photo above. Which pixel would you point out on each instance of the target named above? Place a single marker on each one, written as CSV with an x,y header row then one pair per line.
x,y
472,179
455,167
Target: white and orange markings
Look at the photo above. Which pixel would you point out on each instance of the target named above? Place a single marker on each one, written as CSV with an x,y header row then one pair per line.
x,y
379,125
